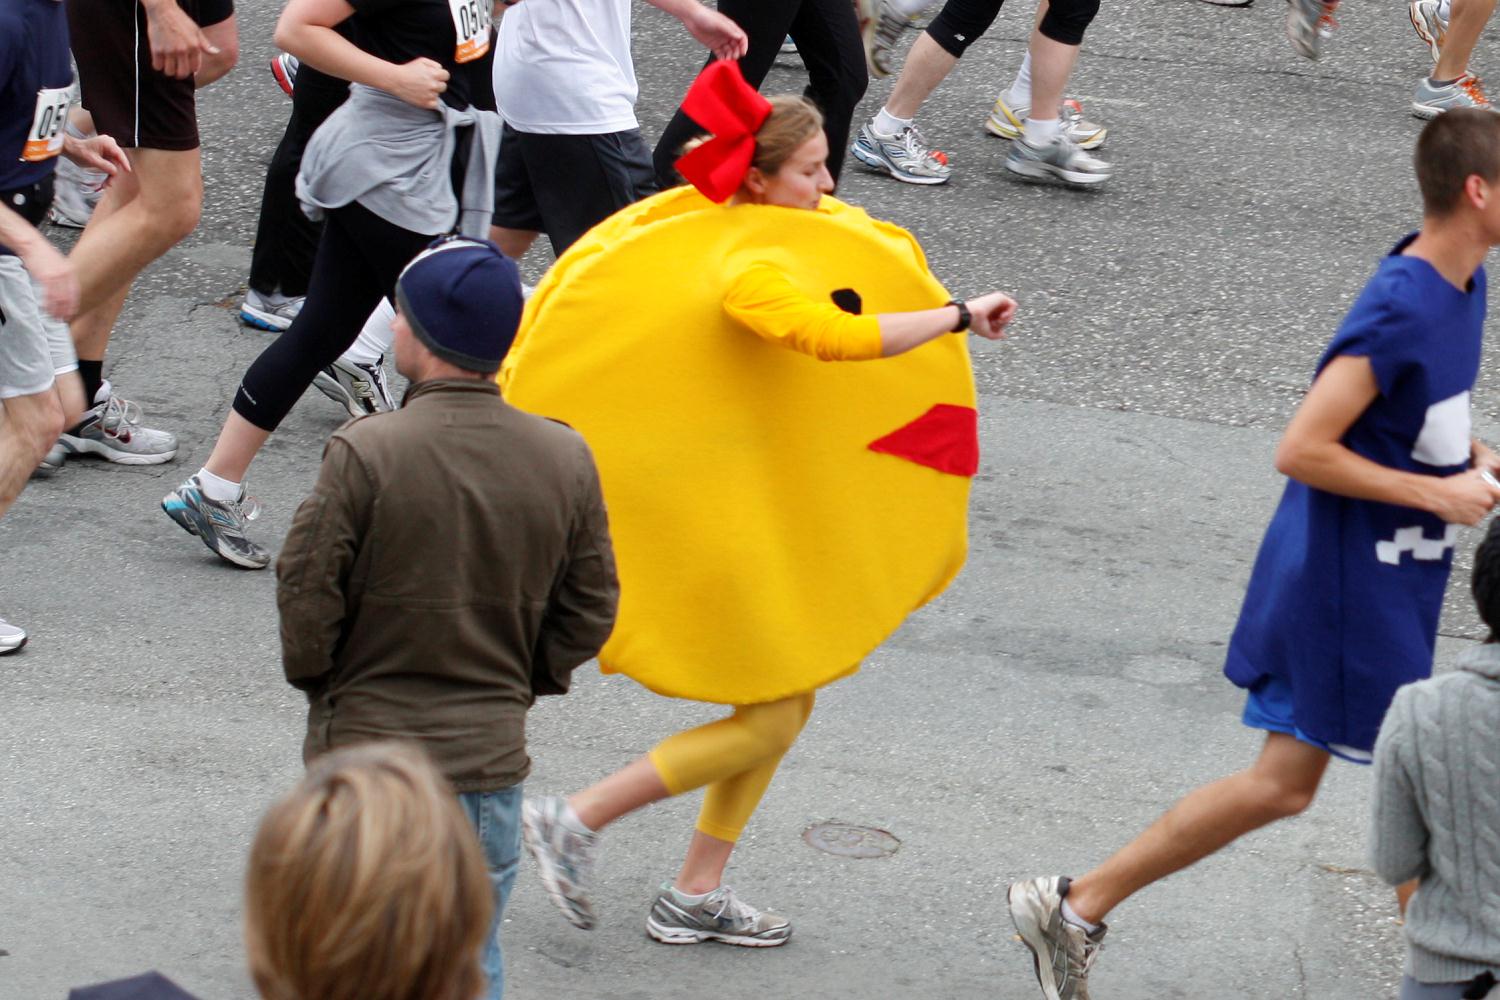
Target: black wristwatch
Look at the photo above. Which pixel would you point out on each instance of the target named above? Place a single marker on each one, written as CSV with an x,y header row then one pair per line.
x,y
964,317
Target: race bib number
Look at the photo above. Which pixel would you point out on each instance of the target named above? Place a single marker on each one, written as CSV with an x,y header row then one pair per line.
x,y
45,140
471,23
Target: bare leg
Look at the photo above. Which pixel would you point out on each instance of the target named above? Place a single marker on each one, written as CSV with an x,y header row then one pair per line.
x,y
1051,65
635,785
69,388
927,65
1467,21
1281,783
238,444
513,242
28,427
703,868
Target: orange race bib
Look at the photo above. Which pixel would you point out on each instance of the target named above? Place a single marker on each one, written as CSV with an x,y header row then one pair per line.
x,y
471,24
45,140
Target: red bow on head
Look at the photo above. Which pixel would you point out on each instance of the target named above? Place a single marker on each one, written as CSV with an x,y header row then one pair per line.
x,y
721,101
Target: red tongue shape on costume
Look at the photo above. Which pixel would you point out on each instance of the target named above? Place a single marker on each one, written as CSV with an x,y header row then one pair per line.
x,y
945,438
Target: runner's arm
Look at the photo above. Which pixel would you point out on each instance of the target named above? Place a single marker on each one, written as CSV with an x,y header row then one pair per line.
x,y
43,262
177,43
1312,451
713,30
305,30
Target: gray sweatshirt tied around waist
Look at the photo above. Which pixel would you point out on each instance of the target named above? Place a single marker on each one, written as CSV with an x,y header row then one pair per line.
x,y
1437,816
395,159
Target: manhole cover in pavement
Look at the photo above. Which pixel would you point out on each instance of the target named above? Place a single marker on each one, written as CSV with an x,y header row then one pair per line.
x,y
849,841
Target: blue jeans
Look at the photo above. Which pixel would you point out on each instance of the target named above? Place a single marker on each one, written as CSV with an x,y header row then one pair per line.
x,y
497,818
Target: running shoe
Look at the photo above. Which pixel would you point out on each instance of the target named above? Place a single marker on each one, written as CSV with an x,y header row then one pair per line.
x,y
219,523
564,857
360,389
881,25
270,312
1062,952
52,462
1060,160
788,47
11,638
112,430
75,192
1429,24
284,68
1009,122
905,156
1308,24
1465,92
718,916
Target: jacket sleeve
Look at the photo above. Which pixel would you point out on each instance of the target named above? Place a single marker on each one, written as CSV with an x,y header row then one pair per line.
x,y
581,610
313,590
764,300
1398,834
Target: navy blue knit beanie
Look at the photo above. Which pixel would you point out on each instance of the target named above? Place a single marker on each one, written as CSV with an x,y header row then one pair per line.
x,y
462,298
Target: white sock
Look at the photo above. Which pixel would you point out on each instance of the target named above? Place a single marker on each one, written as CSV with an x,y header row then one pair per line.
x,y
217,487
1075,919
572,822
1019,94
886,123
1041,131
375,339
1444,9
910,7
687,897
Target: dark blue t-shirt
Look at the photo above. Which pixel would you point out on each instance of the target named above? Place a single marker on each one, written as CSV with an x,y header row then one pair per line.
x,y
1344,599
36,82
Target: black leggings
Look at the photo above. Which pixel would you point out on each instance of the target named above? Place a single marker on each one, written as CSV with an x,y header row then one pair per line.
x,y
960,23
285,239
827,37
359,259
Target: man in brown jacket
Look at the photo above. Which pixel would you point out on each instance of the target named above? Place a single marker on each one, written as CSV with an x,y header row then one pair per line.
x,y
453,561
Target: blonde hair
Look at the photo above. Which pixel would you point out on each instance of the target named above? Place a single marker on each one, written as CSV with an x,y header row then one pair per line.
x,y
793,121
366,882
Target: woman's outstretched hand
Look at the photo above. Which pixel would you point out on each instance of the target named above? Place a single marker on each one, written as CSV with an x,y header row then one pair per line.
x,y
990,314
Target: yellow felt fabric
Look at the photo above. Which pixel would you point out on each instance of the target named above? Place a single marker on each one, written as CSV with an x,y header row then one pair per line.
x,y
763,549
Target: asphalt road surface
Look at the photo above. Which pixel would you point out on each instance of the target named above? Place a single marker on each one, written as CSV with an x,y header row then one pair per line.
x,y
1061,694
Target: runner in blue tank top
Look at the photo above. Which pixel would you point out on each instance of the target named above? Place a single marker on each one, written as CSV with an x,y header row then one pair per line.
x,y
1342,606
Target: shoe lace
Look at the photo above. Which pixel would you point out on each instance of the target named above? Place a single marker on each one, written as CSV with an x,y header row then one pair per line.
x,y
1474,87
1326,22
915,145
247,508
739,911
119,412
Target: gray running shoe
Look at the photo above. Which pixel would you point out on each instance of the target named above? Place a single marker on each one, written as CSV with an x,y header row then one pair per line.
x,y
1466,92
564,857
1060,160
112,430
905,156
1308,24
284,68
359,389
75,192
1062,952
221,524
1429,25
719,916
11,638
1010,123
51,463
274,313
881,26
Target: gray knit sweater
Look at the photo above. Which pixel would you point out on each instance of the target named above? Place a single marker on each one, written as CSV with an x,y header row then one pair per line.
x,y
1437,816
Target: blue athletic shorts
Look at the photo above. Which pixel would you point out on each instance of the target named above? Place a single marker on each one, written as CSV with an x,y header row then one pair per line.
x,y
1269,707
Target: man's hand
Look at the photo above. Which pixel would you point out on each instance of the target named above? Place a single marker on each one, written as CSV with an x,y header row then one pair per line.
x,y
990,314
1464,498
716,32
98,152
1482,457
177,43
419,82
55,274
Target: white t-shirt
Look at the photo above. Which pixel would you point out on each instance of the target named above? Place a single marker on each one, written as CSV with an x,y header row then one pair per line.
x,y
563,67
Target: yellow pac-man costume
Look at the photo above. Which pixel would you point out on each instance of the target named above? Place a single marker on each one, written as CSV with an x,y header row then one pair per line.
x,y
778,507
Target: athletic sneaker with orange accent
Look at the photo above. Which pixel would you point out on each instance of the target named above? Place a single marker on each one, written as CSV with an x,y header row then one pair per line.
x,y
1308,24
1465,92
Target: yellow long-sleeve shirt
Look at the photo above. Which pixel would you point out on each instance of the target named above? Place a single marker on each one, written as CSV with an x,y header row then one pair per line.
x,y
763,299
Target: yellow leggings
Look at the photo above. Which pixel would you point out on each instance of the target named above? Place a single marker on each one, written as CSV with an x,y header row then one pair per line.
x,y
734,757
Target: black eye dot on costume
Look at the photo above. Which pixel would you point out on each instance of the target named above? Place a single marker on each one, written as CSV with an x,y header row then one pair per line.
x,y
848,300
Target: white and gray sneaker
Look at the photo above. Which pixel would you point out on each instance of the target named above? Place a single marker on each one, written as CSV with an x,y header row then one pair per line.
x,y
1308,24
270,312
1466,92
11,637
75,192
1427,20
564,857
718,916
1060,160
1010,123
112,429
359,388
905,155
52,462
881,26
219,523
1062,952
